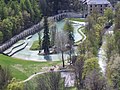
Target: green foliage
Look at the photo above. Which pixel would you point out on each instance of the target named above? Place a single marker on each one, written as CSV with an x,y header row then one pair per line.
x,y
7,29
46,37
117,40
95,81
17,15
22,5
5,12
37,12
14,85
1,37
4,77
29,8
90,65
113,72
50,81
15,7
35,45
79,68
110,47
69,29
109,14
22,69
117,27
94,31
117,16
77,19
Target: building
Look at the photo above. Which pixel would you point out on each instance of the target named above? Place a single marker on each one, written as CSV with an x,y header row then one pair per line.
x,y
90,5
114,2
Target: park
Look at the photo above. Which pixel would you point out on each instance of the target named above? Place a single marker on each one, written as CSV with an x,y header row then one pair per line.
x,y
59,45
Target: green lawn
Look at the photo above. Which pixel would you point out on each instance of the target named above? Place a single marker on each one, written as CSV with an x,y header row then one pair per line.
x,y
35,45
21,69
77,19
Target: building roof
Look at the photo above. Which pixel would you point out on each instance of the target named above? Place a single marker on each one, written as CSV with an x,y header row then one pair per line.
x,y
97,2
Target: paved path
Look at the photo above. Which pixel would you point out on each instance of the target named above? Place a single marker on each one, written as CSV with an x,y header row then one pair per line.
x,y
39,73
80,31
102,54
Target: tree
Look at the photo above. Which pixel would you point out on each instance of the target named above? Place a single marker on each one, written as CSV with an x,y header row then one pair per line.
x,y
14,85
108,13
79,66
89,65
1,37
7,26
110,47
4,77
117,27
39,34
46,38
61,42
36,9
22,5
113,72
75,5
95,81
4,13
52,34
70,30
95,28
50,81
14,6
117,40
117,17
29,9
26,19
15,23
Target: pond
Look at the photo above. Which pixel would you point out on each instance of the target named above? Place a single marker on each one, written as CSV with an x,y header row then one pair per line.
x,y
27,54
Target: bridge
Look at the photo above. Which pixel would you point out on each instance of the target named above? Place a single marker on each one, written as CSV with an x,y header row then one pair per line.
x,y
36,28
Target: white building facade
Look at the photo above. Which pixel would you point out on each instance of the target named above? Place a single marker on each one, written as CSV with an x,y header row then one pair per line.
x,y
90,5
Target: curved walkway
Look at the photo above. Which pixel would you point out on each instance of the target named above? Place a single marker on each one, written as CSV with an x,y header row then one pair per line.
x,y
79,30
18,46
102,54
82,34
39,73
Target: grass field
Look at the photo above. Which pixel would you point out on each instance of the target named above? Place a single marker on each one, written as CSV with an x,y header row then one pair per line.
x,y
21,69
35,45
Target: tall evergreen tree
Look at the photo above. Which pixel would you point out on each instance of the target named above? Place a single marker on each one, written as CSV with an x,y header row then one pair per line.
x,y
46,38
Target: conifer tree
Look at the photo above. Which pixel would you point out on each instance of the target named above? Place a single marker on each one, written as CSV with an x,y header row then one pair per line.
x,y
46,39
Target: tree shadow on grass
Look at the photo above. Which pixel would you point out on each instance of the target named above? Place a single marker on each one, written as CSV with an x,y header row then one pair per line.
x,y
47,57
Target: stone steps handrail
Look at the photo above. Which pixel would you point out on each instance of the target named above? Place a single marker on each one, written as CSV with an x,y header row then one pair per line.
x,y
18,50
14,48
17,46
34,29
